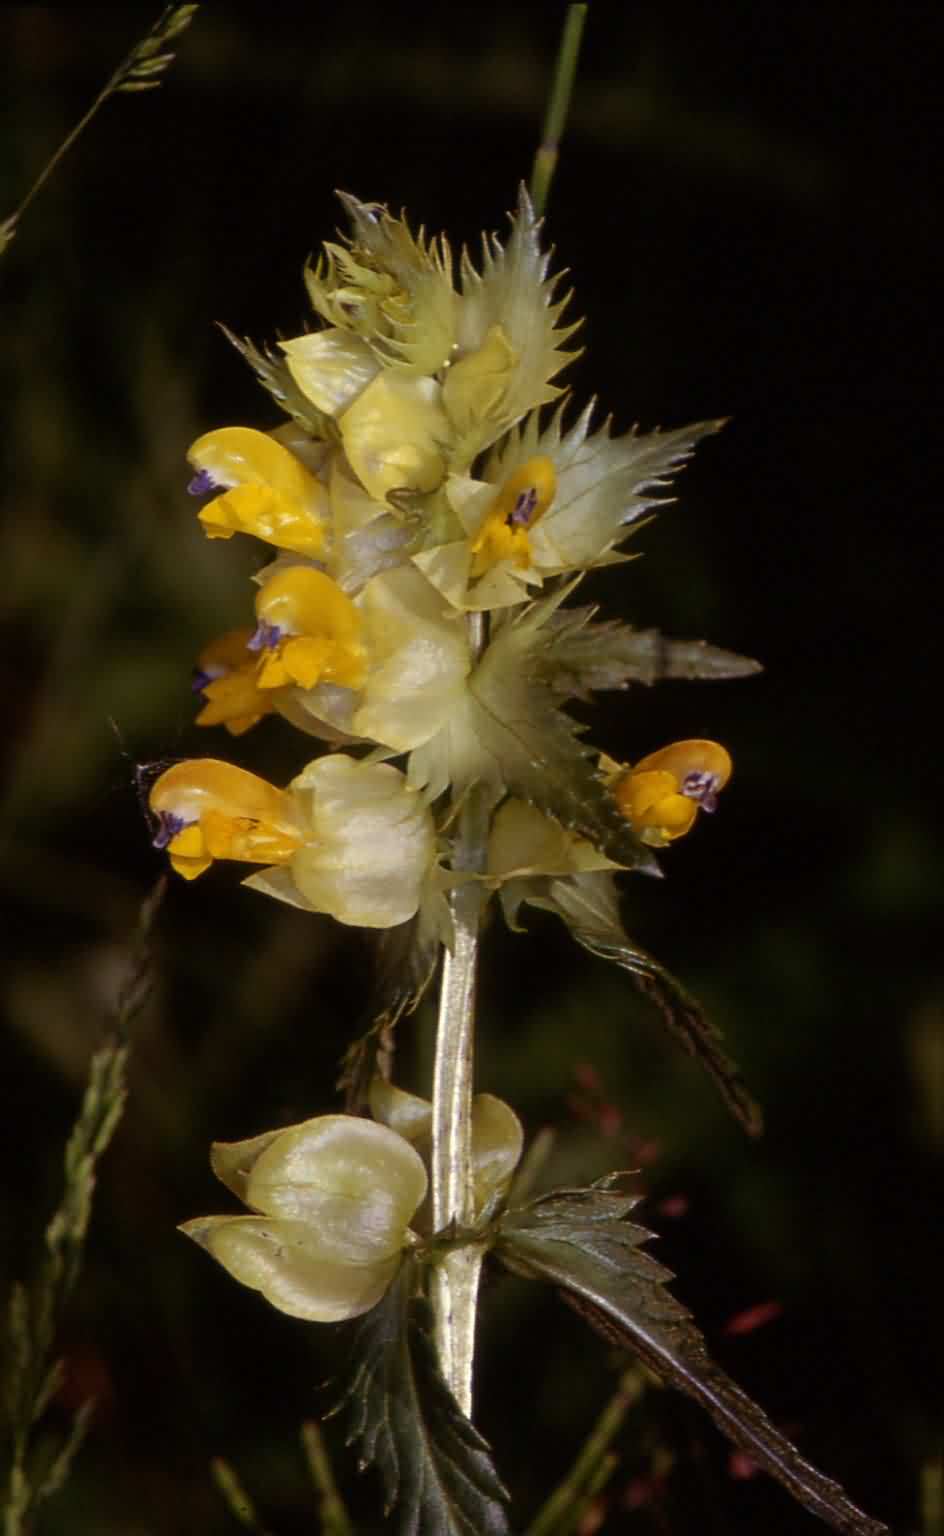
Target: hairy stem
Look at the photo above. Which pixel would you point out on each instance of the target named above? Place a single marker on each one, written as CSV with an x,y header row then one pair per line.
x,y
455,1279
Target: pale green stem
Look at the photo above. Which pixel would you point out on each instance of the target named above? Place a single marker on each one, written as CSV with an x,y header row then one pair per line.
x,y
545,160
455,1279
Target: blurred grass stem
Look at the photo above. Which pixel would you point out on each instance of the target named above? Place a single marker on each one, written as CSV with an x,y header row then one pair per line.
x,y
548,151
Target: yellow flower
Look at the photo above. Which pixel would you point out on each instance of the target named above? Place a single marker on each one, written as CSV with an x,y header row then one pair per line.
x,y
269,492
415,661
226,676
208,810
309,631
333,1198
588,488
522,500
347,838
661,796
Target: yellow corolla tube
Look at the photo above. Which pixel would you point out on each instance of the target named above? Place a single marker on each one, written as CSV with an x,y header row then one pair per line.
x,y
226,676
522,500
268,492
662,794
309,632
208,810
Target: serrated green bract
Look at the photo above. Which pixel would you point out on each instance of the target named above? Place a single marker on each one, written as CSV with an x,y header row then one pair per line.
x,y
436,1469
510,735
273,374
579,1241
583,656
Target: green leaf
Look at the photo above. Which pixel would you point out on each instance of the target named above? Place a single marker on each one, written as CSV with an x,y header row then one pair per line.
x,y
579,1241
435,1467
589,905
581,656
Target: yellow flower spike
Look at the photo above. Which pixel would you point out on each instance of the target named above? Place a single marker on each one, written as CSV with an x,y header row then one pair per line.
x,y
662,794
208,810
225,675
268,491
309,632
521,502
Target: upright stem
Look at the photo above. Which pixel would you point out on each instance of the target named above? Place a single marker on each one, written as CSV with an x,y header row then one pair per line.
x,y
455,1279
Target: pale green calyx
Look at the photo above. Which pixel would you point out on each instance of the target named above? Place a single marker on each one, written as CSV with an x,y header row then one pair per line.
x,y
496,1134
333,1198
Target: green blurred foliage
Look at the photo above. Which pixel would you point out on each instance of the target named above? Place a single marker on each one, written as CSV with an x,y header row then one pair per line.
x,y
747,205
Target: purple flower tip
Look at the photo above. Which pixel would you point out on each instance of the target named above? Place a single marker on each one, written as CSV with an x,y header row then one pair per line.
x,y
265,637
523,510
702,786
201,484
168,825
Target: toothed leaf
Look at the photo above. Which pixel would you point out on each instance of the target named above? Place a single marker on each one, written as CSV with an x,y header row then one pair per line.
x,y
579,1241
435,1468
605,484
510,734
513,297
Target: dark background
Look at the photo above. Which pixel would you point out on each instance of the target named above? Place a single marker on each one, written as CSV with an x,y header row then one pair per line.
x,y
746,202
